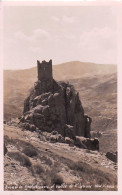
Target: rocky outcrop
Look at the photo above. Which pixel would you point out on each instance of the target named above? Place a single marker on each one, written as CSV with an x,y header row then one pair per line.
x,y
54,106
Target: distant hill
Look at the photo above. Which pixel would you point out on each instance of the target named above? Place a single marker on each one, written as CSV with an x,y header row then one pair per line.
x,y
99,98
96,83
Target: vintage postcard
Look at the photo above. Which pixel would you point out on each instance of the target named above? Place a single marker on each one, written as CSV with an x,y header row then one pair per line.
x,y
60,76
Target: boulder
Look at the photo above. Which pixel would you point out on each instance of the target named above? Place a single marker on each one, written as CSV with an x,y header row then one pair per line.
x,y
53,138
112,156
87,143
27,126
54,132
32,127
69,141
56,138
60,139
79,142
91,144
5,149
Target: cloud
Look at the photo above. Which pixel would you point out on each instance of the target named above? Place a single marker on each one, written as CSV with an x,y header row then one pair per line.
x,y
97,37
64,19
36,35
40,33
99,44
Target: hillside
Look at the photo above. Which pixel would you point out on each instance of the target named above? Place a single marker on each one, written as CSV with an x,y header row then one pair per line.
x,y
34,163
99,98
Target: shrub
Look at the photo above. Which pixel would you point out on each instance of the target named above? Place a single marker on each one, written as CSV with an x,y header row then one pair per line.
x,y
56,179
8,140
38,169
24,160
30,151
47,160
78,166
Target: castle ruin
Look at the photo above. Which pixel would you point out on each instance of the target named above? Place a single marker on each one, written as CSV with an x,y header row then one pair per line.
x,y
44,70
55,106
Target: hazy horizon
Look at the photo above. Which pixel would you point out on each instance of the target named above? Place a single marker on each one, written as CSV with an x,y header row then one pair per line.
x,y
59,65
60,33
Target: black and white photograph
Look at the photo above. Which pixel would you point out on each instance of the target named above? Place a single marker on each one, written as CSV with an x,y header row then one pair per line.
x,y
60,97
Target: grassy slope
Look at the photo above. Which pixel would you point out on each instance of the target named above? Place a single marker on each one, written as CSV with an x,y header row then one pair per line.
x,y
31,161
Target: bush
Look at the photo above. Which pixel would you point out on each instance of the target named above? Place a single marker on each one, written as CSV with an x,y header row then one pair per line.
x,y
30,151
56,179
38,169
46,159
78,166
24,160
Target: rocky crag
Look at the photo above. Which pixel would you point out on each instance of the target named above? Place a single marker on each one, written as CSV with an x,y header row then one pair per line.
x,y
55,107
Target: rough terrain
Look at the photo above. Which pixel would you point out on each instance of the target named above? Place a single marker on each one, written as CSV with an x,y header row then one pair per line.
x,y
57,166
37,159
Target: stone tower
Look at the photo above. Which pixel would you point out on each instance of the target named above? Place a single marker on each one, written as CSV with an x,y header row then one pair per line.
x,y
44,70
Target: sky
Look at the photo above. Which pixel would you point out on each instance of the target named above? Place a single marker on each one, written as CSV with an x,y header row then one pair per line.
x,y
60,33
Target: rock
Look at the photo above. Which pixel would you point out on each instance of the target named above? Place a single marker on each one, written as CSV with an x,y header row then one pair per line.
x,y
32,128
91,144
54,132
88,121
69,141
27,126
56,138
55,106
45,111
22,119
53,138
5,149
69,131
60,139
87,143
79,142
112,156
47,149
